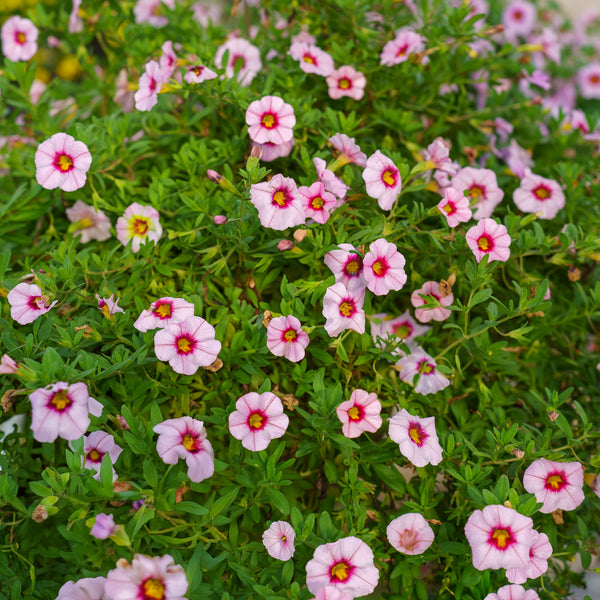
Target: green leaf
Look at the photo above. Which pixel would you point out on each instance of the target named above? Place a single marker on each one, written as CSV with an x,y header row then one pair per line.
x,y
223,502
191,507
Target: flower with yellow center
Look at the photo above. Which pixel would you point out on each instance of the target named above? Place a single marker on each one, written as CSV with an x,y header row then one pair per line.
x,y
140,226
389,177
501,538
184,345
268,120
163,310
290,335
153,589
344,83
484,243
64,163
340,571
60,400
279,198
541,193
189,442
256,420
346,308
555,482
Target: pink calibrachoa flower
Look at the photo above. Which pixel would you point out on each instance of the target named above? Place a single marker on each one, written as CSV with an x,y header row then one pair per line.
x,y
382,180
146,578
431,290
499,537
347,266
186,438
75,21
149,11
279,540
96,446
285,337
27,303
343,309
89,223
108,306
360,413
198,74
151,81
346,81
163,312
401,47
420,363
416,437
330,592
588,79
187,345
124,96
383,268
519,19
538,194
7,365
278,203
539,553
491,238
62,410
513,592
104,526
312,59
19,38
334,185
410,534
270,119
257,420
88,588
481,187
317,202
241,54
140,223
454,206
403,328
167,61
62,162
349,150
272,151
556,484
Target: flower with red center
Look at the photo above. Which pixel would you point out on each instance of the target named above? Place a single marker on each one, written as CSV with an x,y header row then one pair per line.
x,y
88,588
151,81
278,203
416,437
398,50
96,446
163,312
347,266
410,534
62,162
334,185
27,303
279,540
383,268
537,194
285,337
556,484
481,187
419,363
150,11
500,537
257,420
146,578
198,74
89,223
186,438
140,223
360,413
519,19
317,203
312,59
346,81
62,410
349,150
491,238
513,592
243,58
270,119
343,309
454,206
385,328
539,553
167,61
382,180
108,306
430,291
588,79
19,38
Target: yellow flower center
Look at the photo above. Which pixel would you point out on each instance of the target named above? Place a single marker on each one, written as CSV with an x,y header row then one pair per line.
x,y
449,209
184,345
354,413
20,37
339,571
595,79
64,162
555,482
483,243
416,434
256,420
85,223
60,400
402,331
425,368
475,191
189,442
389,177
140,226
163,310
344,83
317,203
501,537
541,193
308,59
94,455
352,267
346,308
268,121
283,538
198,70
279,198
290,335
379,268
153,589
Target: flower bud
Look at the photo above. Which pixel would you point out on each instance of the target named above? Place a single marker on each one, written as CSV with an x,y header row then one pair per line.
x,y
285,245
40,514
553,415
219,219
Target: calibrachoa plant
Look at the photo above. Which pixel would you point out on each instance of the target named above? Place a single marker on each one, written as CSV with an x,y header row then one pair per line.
x,y
298,300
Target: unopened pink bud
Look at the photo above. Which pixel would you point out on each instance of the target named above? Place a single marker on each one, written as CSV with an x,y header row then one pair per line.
x,y
285,245
518,453
300,234
220,219
7,365
553,415
214,176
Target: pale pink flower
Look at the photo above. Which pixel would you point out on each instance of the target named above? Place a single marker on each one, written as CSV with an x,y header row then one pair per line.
x,y
399,49
285,337
89,223
219,219
438,153
36,90
124,97
346,81
62,162
418,362
88,588
96,446
481,187
104,526
151,12
346,565
7,365
198,74
279,540
62,410
410,534
556,484
272,151
431,291
539,553
108,306
241,54
278,203
27,303
519,19
312,59
588,79
151,81
75,21
576,119
330,592
499,537
383,268
186,438
140,223
551,46
360,413
270,119
146,577
167,61
207,12
347,266
518,159
349,150
382,180
513,592
187,345
334,185
536,194
416,437
404,328
317,203
19,38
343,309
257,420
454,206
491,238
163,312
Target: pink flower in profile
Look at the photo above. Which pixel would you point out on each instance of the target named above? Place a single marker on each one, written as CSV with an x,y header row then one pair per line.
x,y
420,363
104,526
62,410
481,187
312,59
491,238
167,61
330,592
124,97
278,203
539,553
343,309
7,365
150,11
410,534
151,81
438,153
360,413
242,55
140,223
199,74
279,540
382,180
416,437
346,81
401,47
519,19
108,306
556,484
163,312
513,592
403,328
89,223
499,537
317,203
147,578
349,150
536,194
62,162
270,151
454,206
186,438
431,291
19,38
75,21
96,446
285,337
27,303
88,588
383,268
187,345
347,266
346,565
270,119
588,79
257,420
333,184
